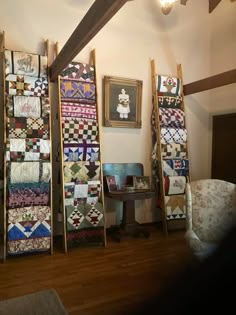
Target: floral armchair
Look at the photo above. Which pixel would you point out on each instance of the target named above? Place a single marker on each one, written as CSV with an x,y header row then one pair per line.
x,y
211,211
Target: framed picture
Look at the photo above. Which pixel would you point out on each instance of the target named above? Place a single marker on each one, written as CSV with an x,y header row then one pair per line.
x,y
111,183
141,182
122,102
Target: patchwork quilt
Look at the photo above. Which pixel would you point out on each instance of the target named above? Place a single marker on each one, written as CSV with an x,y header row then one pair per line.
x,y
77,91
28,172
26,85
78,110
80,193
173,151
29,229
74,130
29,149
79,72
171,118
175,207
28,194
170,135
22,127
22,63
81,151
170,101
81,171
174,185
169,86
85,224
27,106
176,167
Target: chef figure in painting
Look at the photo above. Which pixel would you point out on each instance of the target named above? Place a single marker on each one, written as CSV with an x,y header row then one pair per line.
x,y
123,104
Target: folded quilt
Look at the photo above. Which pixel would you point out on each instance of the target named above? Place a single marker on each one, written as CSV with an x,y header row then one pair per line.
x,y
27,106
84,192
170,135
29,149
79,72
22,63
172,118
170,101
28,194
29,172
175,207
22,127
26,85
75,129
77,91
175,167
29,229
81,171
81,151
173,151
168,86
78,110
174,185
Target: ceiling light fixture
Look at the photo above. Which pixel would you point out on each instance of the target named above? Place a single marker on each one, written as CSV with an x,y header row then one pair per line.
x,y
167,5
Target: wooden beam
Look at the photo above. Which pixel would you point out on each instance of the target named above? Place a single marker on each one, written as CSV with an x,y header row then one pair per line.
x,y
213,4
97,16
213,82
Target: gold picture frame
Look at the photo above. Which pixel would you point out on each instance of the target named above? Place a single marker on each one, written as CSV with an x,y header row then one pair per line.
x,y
122,102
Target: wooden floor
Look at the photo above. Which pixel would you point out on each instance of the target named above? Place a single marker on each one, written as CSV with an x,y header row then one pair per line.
x,y
100,280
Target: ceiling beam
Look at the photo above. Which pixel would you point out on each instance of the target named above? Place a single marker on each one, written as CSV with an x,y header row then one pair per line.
x,y
97,16
213,82
213,4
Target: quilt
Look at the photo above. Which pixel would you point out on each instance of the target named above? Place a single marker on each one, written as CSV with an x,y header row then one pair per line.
x,y
79,193
27,106
169,86
85,224
28,194
176,135
74,130
81,171
174,185
26,85
78,110
22,63
77,91
175,207
29,149
81,151
175,167
28,172
170,101
173,151
22,127
29,223
79,72
171,118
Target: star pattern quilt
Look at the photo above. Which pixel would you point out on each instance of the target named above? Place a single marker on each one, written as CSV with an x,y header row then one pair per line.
x,y
81,171
26,85
176,135
29,149
28,172
29,229
171,118
176,167
78,72
74,130
28,127
22,63
175,207
27,106
81,151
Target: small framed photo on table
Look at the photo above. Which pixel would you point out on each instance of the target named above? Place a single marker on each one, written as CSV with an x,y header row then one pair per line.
x,y
141,182
111,183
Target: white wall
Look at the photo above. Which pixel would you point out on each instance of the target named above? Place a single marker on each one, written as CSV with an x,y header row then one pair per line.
x,y
124,47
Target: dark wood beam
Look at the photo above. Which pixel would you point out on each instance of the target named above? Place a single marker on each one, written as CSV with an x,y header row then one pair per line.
x,y
213,4
97,16
213,82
